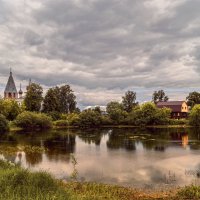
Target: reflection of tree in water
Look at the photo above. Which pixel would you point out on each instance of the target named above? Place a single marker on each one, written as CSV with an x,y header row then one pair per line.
x,y
33,158
59,146
91,136
151,139
195,137
119,138
8,146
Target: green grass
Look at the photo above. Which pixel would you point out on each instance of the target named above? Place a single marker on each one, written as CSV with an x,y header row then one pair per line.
x,y
18,184
189,192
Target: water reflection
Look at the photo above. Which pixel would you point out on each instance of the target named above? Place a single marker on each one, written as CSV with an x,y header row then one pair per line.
x,y
59,147
118,138
132,157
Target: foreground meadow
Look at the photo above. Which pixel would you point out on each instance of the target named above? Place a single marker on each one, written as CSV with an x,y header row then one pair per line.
x,y
18,184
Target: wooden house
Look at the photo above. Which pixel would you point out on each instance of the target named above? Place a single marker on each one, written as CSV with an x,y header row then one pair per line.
x,y
179,108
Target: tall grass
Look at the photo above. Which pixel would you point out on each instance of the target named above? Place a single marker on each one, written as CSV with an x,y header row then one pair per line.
x,y
18,184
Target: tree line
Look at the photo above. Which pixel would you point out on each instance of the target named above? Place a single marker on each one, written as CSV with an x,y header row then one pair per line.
x,y
60,106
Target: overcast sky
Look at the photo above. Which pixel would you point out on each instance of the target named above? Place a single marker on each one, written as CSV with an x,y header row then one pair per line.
x,y
102,48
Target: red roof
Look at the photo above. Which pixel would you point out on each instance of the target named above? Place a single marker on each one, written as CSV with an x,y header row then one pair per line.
x,y
175,106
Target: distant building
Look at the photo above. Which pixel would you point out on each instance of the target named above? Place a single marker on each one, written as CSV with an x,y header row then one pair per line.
x,y
102,109
179,108
11,91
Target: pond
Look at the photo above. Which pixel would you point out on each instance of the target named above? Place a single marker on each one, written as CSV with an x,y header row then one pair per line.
x,y
144,158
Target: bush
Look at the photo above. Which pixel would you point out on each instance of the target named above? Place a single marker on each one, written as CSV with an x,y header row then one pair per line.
x,y
116,112
148,114
72,118
189,192
30,120
10,109
61,123
89,118
106,120
54,115
3,124
178,121
194,117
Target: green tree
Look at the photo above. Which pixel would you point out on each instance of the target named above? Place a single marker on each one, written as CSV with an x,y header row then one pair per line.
x,y
51,100
97,109
148,114
33,98
193,98
89,118
116,112
31,120
67,99
3,124
10,108
60,99
159,96
162,116
194,117
129,101
77,110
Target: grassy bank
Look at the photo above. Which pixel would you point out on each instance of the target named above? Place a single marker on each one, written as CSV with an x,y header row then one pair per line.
x,y
18,184
14,129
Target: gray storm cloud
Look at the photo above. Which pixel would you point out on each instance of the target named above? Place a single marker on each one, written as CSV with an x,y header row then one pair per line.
x,y
102,48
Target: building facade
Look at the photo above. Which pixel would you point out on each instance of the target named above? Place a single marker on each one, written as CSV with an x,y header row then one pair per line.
x,y
179,108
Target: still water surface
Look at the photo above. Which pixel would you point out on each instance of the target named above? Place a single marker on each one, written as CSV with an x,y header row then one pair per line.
x,y
129,157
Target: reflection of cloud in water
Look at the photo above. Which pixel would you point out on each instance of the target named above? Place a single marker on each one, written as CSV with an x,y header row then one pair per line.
x,y
120,157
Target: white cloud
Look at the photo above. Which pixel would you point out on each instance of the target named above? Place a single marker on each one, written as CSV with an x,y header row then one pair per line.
x,y
102,48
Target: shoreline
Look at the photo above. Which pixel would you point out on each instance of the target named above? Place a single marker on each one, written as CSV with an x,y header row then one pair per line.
x,y
14,129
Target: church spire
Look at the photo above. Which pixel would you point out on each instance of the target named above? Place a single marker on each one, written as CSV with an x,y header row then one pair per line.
x,y
29,82
20,91
10,90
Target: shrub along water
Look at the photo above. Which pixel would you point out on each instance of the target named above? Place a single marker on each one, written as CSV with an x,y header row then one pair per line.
x,y
89,118
148,114
31,120
3,124
194,117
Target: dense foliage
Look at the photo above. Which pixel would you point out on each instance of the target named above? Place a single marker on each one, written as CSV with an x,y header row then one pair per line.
x,y
193,98
159,96
30,120
116,112
59,99
88,118
33,98
10,108
60,106
129,101
194,117
3,124
148,114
